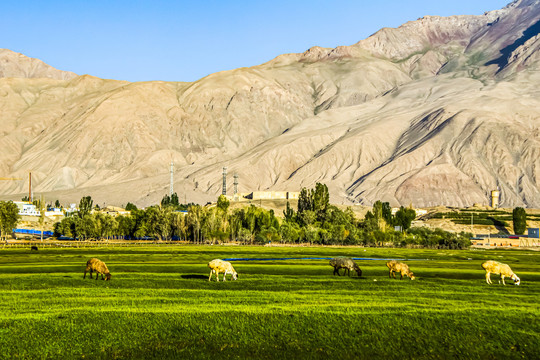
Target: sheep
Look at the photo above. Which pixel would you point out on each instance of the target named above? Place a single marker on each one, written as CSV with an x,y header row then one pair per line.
x,y
402,268
99,267
345,263
219,266
33,248
499,268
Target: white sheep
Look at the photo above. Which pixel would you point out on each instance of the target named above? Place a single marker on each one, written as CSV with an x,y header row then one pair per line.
x,y
499,268
345,263
218,266
402,268
99,267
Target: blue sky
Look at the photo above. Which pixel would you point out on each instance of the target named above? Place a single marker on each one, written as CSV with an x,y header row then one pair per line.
x,y
186,40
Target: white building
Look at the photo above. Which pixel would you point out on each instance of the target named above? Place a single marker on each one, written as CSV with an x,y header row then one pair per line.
x,y
26,208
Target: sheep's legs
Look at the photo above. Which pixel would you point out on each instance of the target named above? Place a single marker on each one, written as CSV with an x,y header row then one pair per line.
x,y
502,278
488,278
210,277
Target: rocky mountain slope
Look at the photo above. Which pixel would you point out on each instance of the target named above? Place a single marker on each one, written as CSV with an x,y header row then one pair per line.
x,y
437,111
15,65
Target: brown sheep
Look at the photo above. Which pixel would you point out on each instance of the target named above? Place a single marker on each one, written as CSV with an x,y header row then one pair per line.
x,y
99,267
345,263
499,268
402,268
219,266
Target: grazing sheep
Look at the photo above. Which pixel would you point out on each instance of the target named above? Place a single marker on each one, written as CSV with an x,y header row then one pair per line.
x,y
219,266
499,268
33,248
99,267
403,269
345,263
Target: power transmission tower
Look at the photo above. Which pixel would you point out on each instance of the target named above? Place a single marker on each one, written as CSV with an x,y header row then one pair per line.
x,y
224,192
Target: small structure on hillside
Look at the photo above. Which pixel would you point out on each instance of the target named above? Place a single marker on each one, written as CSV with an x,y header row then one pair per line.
x,y
27,208
271,195
495,199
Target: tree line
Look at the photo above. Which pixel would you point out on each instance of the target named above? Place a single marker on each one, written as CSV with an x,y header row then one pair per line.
x,y
315,221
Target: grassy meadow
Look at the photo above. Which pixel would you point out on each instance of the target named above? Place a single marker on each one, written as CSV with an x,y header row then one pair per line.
x,y
160,305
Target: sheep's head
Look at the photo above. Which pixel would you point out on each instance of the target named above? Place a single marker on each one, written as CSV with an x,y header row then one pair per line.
x,y
108,276
517,281
358,270
411,275
235,275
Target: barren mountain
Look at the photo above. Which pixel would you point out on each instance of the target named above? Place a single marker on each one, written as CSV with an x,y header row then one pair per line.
x,y
437,111
15,65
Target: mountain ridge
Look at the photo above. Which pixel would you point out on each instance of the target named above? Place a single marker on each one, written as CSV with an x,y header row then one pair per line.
x,y
428,122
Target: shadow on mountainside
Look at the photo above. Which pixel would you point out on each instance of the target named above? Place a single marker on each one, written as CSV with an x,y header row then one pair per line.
x,y
502,61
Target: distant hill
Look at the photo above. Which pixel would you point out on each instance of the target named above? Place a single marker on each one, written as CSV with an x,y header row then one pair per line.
x,y
15,65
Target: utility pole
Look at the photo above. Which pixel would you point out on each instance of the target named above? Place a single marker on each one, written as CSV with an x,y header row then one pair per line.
x,y
42,209
235,183
171,188
30,186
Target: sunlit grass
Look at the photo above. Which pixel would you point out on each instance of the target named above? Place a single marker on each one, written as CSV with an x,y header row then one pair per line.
x,y
160,304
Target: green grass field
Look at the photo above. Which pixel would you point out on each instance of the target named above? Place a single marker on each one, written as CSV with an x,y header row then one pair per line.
x,y
160,305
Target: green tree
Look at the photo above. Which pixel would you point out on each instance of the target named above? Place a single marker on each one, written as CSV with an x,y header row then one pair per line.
x,y
404,217
289,214
194,218
311,234
289,232
9,217
180,226
380,211
308,217
223,203
305,201
66,227
166,200
519,217
235,222
320,201
86,227
130,207
251,221
85,206
126,226
174,200
42,208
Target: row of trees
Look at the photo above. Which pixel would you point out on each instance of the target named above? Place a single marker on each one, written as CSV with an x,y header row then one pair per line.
x,y
315,221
